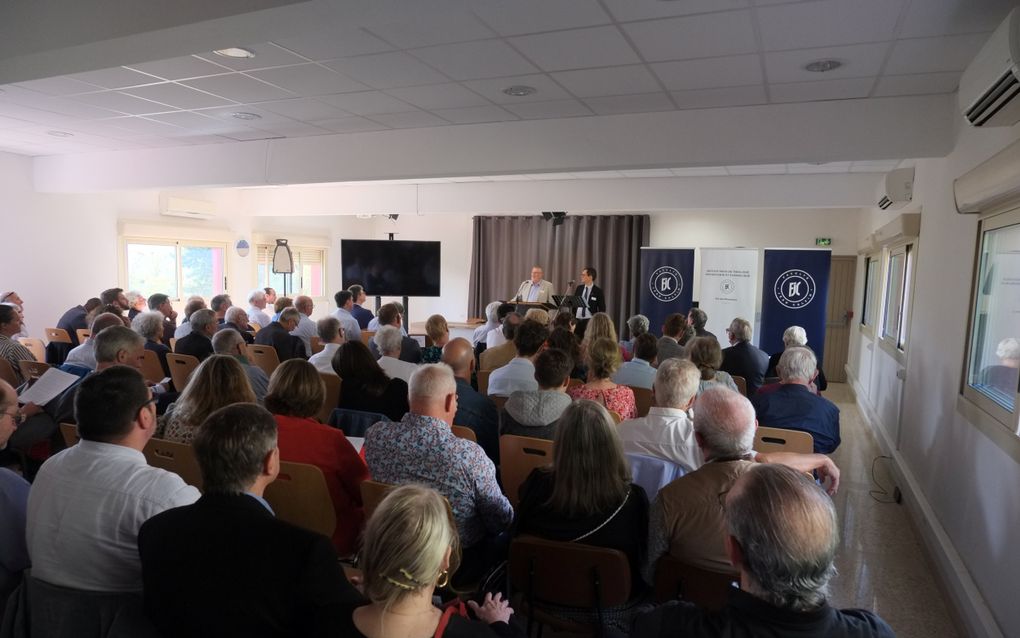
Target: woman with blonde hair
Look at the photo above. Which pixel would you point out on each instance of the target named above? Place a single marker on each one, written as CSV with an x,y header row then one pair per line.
x,y
604,360
217,382
705,353
296,393
600,326
410,548
438,331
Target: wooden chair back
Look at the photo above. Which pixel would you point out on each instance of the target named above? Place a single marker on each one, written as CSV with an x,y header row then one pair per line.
x,y
518,456
482,376
7,373
366,336
317,346
152,370
178,458
675,579
332,398
373,493
768,439
173,344
32,370
464,432
299,496
741,384
254,327
499,402
181,367
85,333
35,346
642,399
264,357
70,433
57,335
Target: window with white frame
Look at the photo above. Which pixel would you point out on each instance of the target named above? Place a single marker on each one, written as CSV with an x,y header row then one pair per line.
x,y
897,294
309,271
179,269
872,266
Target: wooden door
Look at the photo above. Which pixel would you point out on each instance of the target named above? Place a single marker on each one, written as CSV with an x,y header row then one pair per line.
x,y
838,318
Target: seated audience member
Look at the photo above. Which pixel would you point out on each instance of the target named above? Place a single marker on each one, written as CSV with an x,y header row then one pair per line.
x,y
600,326
497,336
10,348
150,326
637,325
667,431
587,495
278,334
538,315
792,337
89,501
697,318
705,353
411,549
344,314
795,407
193,305
387,342
220,304
604,359
781,535
564,319
257,308
437,330
639,371
535,413
331,337
296,393
225,566
374,324
390,315
84,355
281,304
13,503
1001,376
76,319
270,297
198,342
669,346
491,322
422,449
742,358
563,339
161,304
364,385
230,343
237,319
519,373
474,409
115,297
305,329
358,311
136,303
499,356
218,381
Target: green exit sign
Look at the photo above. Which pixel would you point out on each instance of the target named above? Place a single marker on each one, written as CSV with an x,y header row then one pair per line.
x,y
823,241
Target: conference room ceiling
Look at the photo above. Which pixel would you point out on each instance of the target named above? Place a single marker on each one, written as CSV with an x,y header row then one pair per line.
x,y
406,67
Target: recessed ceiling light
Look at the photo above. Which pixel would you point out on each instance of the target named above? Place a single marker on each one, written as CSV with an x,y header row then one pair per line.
x,y
242,115
822,66
519,90
235,52
60,133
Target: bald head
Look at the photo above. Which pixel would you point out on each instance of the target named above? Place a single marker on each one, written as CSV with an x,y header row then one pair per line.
x,y
104,321
459,355
304,304
724,423
432,391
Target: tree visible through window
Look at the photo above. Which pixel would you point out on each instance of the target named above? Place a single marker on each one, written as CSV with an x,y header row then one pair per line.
x,y
176,269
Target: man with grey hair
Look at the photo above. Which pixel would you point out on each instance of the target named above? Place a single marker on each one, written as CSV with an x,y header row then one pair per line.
x,y
229,342
257,308
236,318
388,342
277,334
305,329
192,305
742,358
84,355
637,325
219,304
422,449
697,318
331,336
198,343
781,535
795,407
793,336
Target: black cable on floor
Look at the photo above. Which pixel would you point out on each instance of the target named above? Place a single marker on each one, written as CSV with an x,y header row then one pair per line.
x,y
881,494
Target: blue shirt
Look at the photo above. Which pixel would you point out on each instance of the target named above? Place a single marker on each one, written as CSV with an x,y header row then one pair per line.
x,y
636,372
264,502
794,407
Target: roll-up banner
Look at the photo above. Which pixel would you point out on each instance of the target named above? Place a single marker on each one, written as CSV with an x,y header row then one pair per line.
x,y
667,278
729,283
796,288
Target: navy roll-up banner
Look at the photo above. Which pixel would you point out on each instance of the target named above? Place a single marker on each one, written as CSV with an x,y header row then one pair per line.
x,y
667,280
794,293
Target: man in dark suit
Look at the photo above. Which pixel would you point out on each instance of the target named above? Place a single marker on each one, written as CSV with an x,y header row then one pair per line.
x,y
277,334
237,319
592,300
474,409
198,342
250,574
410,349
361,314
794,406
742,358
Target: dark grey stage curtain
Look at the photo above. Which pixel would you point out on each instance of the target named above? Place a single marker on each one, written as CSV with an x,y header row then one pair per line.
x,y
505,248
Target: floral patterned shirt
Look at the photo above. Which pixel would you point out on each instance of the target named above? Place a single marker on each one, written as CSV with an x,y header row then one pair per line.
x,y
619,399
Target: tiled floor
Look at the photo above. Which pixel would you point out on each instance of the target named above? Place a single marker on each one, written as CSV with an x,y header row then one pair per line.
x,y
881,563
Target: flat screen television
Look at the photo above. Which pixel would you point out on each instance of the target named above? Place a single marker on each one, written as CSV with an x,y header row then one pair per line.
x,y
391,268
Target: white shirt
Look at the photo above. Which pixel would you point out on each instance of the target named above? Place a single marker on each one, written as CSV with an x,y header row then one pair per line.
x,y
305,330
397,368
582,312
83,355
519,374
256,315
495,338
666,433
323,360
84,512
636,372
373,325
182,330
352,329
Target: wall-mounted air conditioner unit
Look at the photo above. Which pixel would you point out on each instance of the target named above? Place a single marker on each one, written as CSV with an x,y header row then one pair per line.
x,y
990,87
899,188
905,226
189,208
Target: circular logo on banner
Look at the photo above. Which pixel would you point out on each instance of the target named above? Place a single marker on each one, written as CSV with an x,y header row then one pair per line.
x,y
727,286
666,284
795,289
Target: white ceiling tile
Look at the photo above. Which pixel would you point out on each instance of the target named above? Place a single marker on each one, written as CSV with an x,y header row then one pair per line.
x,y
619,80
954,17
411,119
252,134
267,55
331,45
304,108
921,84
199,138
297,129
861,60
366,103
439,96
350,125
546,110
740,70
122,103
722,97
532,16
103,128
626,10
422,26
700,36
185,67
309,80
475,115
143,125
827,23
182,97
648,172
266,118
545,89
757,169
10,122
933,55
811,169
700,171
195,122
476,60
239,88
71,108
577,49
34,115
643,103
116,78
824,90
62,85
388,70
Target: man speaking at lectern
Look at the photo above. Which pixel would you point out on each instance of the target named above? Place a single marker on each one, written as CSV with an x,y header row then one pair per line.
x,y
535,289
